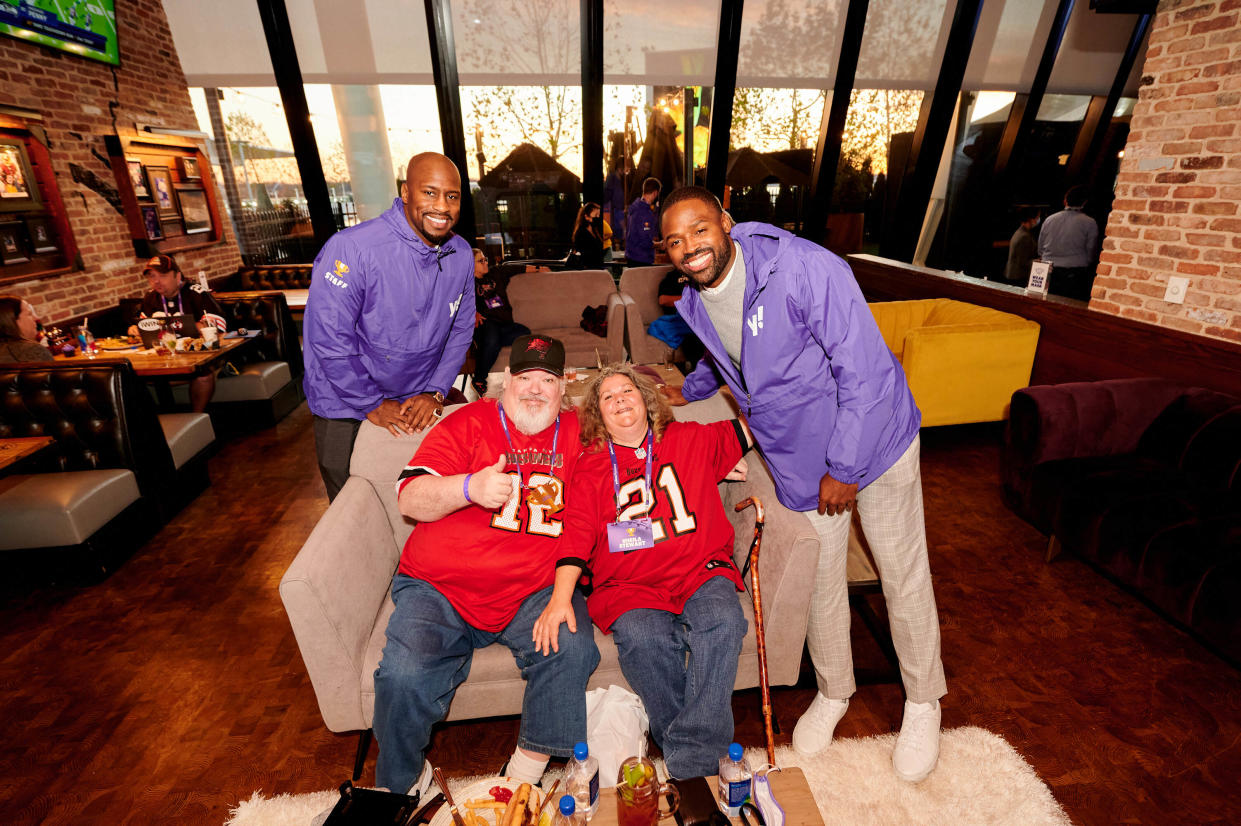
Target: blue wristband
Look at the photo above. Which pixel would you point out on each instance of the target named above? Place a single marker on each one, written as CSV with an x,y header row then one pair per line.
x,y
465,488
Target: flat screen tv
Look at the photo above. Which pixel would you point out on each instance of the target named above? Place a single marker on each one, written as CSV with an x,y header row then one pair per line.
x,y
81,27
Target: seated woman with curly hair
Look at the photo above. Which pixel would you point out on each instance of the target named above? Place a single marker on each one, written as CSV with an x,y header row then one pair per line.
x,y
647,528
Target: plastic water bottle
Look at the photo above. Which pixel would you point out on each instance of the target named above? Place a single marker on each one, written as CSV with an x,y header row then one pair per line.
x,y
735,774
582,780
568,815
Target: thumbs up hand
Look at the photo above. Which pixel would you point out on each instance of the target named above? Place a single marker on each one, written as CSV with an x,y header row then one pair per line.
x,y
491,487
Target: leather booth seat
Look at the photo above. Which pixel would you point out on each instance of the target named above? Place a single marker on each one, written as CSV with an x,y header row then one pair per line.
x,y
275,277
188,435
109,480
46,510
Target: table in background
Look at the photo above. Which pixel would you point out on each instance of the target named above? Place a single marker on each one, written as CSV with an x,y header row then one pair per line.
x,y
789,786
13,451
162,369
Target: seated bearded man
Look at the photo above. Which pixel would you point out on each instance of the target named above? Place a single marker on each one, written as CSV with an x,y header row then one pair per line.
x,y
647,527
487,489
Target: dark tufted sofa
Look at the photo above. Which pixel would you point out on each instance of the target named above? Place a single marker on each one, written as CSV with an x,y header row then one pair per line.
x,y
283,277
111,478
270,382
1142,479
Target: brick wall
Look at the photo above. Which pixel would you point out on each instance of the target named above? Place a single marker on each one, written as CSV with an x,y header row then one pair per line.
x,y
75,97
1178,196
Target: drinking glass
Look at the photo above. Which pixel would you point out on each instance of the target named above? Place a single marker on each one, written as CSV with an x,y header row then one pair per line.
x,y
638,793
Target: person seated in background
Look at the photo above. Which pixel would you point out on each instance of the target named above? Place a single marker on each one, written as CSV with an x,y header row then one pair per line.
x,y
170,295
668,594
19,332
494,327
670,328
588,237
1022,247
487,489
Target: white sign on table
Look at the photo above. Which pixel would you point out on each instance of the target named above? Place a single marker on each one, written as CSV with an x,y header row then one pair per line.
x,y
1040,275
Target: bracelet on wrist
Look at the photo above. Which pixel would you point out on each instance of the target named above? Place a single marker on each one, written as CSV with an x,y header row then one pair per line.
x,y
465,488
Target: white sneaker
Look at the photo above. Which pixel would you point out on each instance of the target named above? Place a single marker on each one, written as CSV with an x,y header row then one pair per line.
x,y
917,746
813,731
423,782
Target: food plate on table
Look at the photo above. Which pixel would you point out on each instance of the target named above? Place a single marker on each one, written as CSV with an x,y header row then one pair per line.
x,y
480,806
117,343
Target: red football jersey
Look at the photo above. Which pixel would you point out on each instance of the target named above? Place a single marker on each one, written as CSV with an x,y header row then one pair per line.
x,y
693,537
487,562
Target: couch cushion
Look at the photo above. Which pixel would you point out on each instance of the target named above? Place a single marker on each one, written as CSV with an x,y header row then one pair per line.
x,y
257,382
187,434
45,510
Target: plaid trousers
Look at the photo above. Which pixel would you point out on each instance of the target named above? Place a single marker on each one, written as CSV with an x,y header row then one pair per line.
x,y
891,512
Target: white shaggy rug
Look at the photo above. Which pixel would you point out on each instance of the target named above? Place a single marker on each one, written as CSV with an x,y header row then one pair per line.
x,y
980,779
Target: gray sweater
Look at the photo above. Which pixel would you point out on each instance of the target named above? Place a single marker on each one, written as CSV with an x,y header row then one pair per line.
x,y
725,307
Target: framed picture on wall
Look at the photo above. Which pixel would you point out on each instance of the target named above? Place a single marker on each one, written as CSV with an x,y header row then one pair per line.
x,y
12,243
138,178
42,239
18,188
160,178
150,221
194,210
188,167
171,227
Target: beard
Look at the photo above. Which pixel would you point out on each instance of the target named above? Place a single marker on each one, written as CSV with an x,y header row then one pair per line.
x,y
534,421
721,257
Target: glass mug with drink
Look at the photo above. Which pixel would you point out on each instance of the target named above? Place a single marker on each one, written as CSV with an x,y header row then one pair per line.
x,y
638,792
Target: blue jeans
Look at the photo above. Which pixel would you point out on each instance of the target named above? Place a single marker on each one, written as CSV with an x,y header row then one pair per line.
x,y
428,655
683,667
491,337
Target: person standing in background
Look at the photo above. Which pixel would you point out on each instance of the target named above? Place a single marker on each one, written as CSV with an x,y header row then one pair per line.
x,y
385,331
1022,247
1069,241
588,236
641,237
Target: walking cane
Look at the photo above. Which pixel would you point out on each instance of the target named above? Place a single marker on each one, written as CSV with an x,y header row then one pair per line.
x,y
752,564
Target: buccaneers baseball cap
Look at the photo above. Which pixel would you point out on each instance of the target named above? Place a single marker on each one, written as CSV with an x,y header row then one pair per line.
x,y
537,353
162,264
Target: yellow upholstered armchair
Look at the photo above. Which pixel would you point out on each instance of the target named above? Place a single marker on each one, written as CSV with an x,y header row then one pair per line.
x,y
963,361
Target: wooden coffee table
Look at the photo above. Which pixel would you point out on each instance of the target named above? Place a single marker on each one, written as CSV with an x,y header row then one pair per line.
x,y
788,785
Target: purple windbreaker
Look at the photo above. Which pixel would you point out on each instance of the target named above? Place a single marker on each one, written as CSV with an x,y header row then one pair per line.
x,y
388,316
821,390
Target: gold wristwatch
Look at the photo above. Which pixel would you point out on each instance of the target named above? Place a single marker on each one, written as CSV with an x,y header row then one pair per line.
x,y
435,394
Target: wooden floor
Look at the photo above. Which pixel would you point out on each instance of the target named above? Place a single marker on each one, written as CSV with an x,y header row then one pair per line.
x,y
174,688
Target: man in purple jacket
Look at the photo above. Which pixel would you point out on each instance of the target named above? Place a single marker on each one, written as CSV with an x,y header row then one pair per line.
x,y
389,318
785,325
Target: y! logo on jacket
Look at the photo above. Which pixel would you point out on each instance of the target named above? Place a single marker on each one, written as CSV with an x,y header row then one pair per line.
x,y
755,322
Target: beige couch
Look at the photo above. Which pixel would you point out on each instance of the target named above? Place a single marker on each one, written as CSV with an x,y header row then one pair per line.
x,y
552,302
336,591
639,289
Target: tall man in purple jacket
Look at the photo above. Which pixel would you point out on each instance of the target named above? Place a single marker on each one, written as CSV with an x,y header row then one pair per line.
x,y
785,325
389,318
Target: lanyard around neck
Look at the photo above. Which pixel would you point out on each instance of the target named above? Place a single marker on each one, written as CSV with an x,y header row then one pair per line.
x,y
646,492
551,461
180,307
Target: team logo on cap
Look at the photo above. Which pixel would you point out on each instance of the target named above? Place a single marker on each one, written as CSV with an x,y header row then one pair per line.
x,y
540,345
156,263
